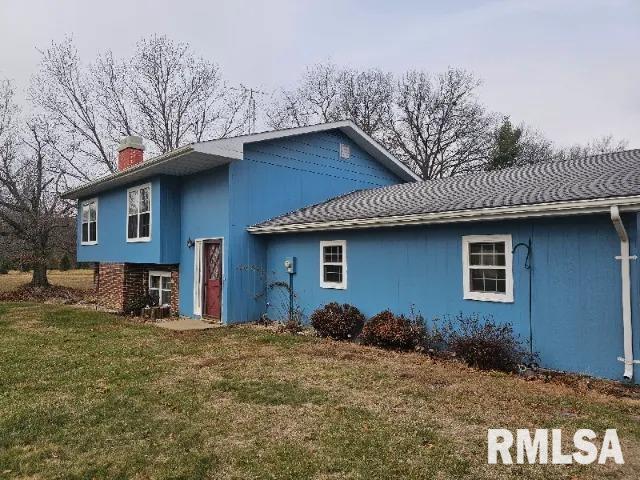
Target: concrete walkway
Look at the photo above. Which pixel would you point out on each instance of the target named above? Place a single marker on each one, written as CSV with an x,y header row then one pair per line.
x,y
185,324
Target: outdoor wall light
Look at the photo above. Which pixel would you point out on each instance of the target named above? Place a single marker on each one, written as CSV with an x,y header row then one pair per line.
x,y
190,243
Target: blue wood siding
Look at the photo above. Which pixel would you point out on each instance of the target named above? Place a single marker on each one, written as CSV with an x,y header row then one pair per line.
x,y
112,234
576,287
112,221
204,210
170,219
276,177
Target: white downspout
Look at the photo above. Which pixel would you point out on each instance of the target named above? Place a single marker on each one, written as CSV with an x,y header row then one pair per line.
x,y
625,263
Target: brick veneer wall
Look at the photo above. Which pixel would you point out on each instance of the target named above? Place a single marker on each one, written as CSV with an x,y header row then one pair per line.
x,y
175,290
119,283
134,283
110,286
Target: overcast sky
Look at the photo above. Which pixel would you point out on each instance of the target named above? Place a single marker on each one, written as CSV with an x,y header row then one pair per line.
x,y
568,67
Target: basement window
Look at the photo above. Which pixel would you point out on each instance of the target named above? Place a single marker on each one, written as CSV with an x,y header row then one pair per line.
x,y
160,287
139,213
89,215
333,264
487,268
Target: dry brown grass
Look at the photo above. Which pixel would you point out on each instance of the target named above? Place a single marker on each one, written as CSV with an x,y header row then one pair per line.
x,y
80,279
89,395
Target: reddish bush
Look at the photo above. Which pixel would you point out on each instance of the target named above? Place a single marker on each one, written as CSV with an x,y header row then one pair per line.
x,y
396,332
340,322
485,344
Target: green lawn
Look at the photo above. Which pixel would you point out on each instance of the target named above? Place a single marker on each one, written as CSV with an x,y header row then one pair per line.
x,y
89,395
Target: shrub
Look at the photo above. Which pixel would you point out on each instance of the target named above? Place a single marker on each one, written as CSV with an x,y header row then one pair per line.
x,y
65,263
483,343
340,322
135,305
280,303
396,332
4,266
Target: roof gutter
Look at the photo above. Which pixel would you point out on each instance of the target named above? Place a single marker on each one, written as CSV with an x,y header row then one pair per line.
x,y
141,167
575,207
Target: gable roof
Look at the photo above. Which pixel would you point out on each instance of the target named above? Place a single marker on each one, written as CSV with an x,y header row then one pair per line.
x,y
585,185
200,156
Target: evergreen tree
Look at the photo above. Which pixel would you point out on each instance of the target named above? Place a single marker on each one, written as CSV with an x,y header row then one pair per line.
x,y
507,146
65,263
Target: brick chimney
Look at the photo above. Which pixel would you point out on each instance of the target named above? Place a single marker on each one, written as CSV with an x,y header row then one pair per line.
x,y
130,152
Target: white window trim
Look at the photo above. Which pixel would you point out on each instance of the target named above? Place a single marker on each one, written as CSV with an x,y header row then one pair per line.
x,y
198,276
506,297
159,273
82,205
332,243
126,223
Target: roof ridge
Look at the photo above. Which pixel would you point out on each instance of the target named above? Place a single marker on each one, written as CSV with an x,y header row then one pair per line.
x,y
311,125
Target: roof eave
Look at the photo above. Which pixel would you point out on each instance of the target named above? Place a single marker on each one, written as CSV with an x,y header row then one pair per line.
x,y
576,207
84,190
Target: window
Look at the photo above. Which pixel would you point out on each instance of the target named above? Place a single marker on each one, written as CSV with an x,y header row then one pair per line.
x,y
345,151
89,215
487,271
333,264
160,287
139,214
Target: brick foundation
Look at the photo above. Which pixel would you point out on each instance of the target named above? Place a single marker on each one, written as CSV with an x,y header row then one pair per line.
x,y
110,286
118,284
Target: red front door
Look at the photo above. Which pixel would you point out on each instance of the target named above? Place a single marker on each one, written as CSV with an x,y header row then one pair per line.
x,y
212,279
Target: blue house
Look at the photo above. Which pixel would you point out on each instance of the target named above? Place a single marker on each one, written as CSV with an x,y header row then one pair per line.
x,y
206,228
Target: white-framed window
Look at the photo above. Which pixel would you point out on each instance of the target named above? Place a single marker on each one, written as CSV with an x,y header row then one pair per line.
x,y
345,151
139,213
487,268
89,219
160,287
333,264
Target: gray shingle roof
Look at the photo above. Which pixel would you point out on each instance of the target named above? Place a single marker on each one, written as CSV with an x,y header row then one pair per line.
x,y
600,176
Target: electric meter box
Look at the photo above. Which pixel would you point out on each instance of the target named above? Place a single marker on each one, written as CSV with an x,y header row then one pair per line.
x,y
290,264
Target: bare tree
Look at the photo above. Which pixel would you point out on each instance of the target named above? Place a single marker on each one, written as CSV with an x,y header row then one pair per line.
x,y
536,147
604,144
327,93
164,93
366,98
437,126
64,90
31,178
315,100
180,98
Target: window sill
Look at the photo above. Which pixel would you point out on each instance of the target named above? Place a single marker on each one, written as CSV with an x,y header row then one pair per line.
x,y
488,297
334,286
138,240
88,244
